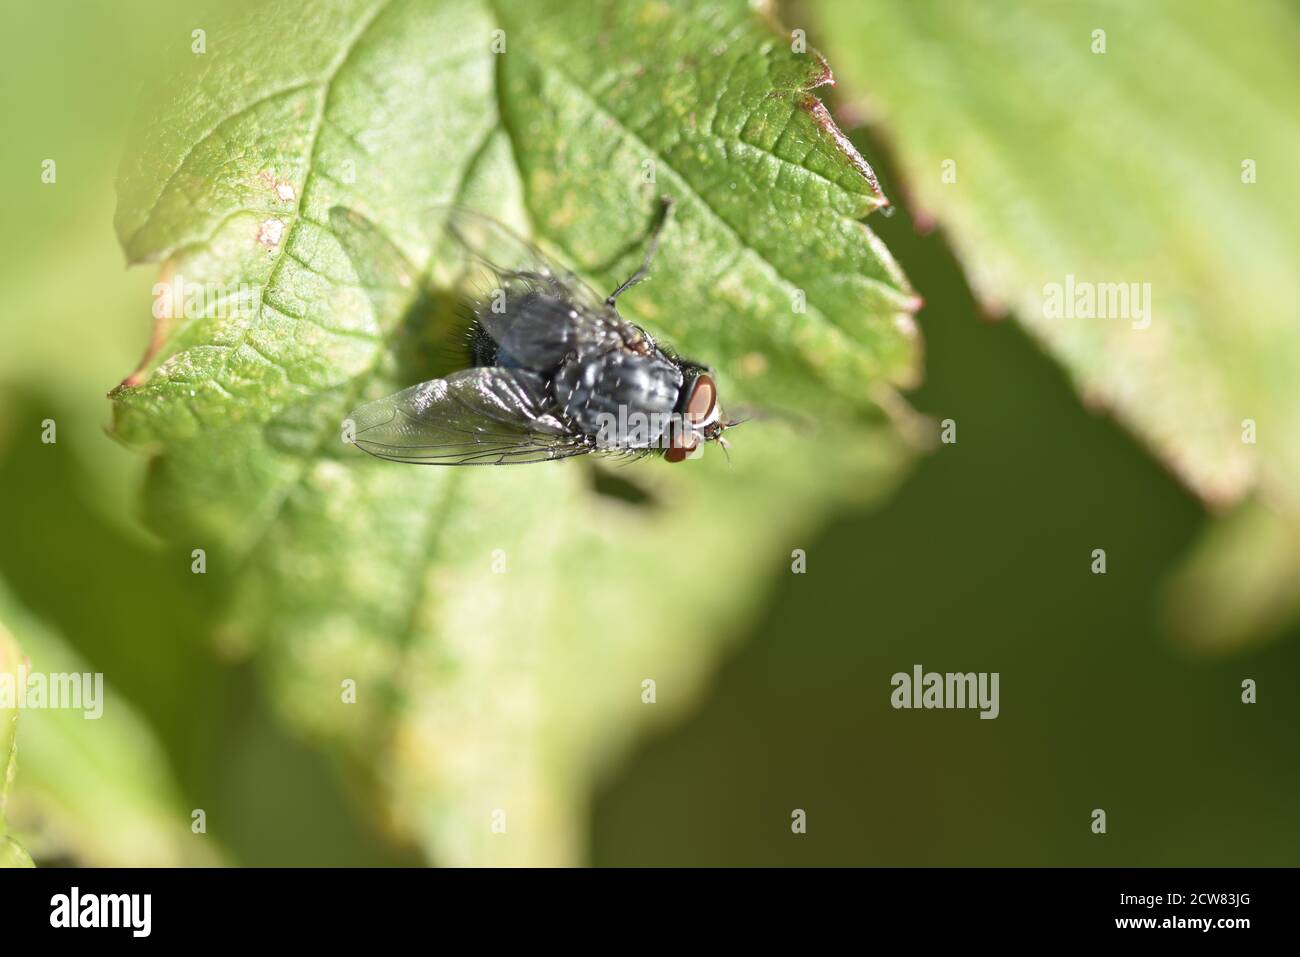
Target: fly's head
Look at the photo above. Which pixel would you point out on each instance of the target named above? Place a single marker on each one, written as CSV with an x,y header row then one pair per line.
x,y
699,413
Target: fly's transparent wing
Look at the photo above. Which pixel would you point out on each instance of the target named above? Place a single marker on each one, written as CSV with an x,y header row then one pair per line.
x,y
499,248
483,416
525,301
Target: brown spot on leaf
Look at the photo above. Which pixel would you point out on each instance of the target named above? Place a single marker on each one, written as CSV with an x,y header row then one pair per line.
x,y
270,232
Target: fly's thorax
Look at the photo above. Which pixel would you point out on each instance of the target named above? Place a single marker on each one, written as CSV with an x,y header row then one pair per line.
x,y
636,339
626,398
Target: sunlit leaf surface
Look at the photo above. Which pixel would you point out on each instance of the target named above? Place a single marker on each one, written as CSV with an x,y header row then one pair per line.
x,y
500,626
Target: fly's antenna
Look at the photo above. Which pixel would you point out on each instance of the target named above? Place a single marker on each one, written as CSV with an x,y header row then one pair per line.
x,y
665,213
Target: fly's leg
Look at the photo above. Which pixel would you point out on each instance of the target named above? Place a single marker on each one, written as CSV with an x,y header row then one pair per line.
x,y
665,213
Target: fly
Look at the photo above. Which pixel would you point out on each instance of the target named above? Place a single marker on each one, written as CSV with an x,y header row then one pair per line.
x,y
556,371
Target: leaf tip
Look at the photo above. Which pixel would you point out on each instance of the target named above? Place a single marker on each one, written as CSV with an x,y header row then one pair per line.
x,y
822,76
822,117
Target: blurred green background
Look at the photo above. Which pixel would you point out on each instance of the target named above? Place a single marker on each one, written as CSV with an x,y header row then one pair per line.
x,y
980,562
982,557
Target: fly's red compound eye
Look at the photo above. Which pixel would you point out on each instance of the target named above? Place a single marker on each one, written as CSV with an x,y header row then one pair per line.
x,y
684,442
699,411
677,453
703,400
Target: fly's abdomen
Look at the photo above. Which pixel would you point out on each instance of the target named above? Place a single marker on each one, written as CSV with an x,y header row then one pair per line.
x,y
624,398
533,331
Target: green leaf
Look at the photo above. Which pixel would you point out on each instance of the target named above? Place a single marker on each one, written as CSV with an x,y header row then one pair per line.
x,y
96,790
499,624
11,852
1123,166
